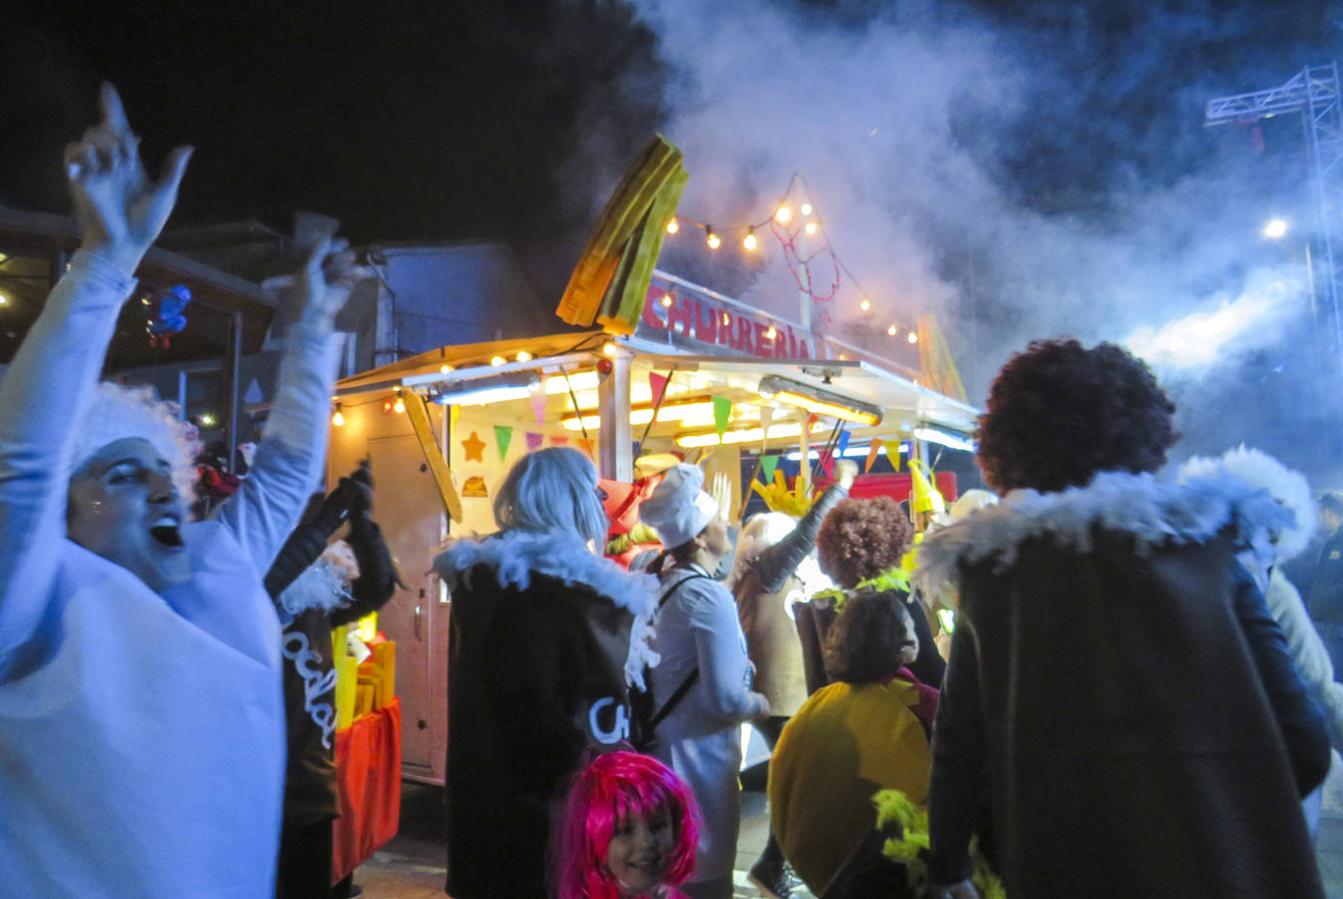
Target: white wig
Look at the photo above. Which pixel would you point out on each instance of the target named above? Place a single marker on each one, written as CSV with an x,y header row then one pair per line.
x,y
117,412
1258,469
553,489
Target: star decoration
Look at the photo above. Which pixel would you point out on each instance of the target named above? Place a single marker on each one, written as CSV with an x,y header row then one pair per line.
x,y
475,448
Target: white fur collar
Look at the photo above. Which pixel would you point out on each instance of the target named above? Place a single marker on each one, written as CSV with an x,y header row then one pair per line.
x,y
1154,512
516,555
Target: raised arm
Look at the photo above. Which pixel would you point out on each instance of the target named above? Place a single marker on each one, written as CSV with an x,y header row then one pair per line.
x,y
288,461
121,212
777,563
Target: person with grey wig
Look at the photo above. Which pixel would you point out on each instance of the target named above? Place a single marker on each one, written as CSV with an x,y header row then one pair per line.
x,y
141,711
546,636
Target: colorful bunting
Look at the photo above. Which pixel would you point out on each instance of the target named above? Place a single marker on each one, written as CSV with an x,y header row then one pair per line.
x,y
893,453
872,452
537,396
503,436
722,412
534,441
843,443
658,384
558,440
767,466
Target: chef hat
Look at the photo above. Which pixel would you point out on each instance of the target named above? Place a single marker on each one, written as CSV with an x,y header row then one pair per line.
x,y
679,509
116,412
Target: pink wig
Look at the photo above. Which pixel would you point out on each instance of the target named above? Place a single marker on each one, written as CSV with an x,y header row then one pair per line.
x,y
614,787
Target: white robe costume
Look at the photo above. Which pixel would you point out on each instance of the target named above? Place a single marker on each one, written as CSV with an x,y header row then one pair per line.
x,y
142,745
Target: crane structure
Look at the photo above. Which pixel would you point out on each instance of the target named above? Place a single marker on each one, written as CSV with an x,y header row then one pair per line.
x,y
1313,93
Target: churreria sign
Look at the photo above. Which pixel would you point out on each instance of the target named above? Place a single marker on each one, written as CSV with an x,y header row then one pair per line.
x,y
699,319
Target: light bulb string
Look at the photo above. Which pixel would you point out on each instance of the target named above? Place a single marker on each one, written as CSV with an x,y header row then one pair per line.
x,y
798,259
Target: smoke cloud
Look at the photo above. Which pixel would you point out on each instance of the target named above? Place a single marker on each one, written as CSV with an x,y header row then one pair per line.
x,y
1024,178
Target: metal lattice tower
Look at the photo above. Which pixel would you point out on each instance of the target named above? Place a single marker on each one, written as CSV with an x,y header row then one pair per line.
x,y
1314,93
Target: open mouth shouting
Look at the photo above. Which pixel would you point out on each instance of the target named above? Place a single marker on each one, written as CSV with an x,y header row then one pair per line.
x,y
167,530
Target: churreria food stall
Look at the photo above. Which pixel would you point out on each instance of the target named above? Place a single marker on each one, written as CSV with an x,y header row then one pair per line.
x,y
441,430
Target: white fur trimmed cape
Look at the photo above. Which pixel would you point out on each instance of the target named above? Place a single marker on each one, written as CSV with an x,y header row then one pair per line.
x,y
515,555
1154,512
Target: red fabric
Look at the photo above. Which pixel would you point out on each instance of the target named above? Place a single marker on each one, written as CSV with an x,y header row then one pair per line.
x,y
898,486
368,778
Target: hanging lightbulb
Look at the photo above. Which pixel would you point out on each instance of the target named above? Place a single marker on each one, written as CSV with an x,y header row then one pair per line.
x,y
865,305
610,348
806,209
892,331
338,417
666,301
445,369
783,215
749,242
497,361
913,337
524,356
712,239
727,320
771,332
399,406
673,226
810,228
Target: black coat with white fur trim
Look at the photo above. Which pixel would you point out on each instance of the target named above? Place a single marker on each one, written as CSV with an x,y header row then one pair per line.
x,y
1119,697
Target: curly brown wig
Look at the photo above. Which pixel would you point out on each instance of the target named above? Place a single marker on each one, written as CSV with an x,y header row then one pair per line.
x,y
871,638
1060,412
862,538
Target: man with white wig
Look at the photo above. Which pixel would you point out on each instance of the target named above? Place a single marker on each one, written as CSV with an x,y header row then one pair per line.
x,y
701,686
141,713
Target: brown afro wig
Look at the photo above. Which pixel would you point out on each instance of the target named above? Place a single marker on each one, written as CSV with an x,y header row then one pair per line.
x,y
1060,412
862,538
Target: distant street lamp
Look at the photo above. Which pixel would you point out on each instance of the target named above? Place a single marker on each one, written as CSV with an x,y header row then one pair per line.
x,y
1275,228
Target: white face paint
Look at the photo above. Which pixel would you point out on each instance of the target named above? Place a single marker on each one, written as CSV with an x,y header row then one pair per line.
x,y
124,507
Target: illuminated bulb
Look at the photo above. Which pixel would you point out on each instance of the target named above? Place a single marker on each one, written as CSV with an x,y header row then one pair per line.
x,y
771,333
445,369
610,349
806,209
749,242
497,361
673,226
783,215
207,420
144,301
913,337
727,320
524,356
666,301
1275,228
810,228
892,330
4,300
713,240
399,406
338,418
865,305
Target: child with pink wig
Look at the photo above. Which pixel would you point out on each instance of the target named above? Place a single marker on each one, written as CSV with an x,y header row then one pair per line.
x,y
629,831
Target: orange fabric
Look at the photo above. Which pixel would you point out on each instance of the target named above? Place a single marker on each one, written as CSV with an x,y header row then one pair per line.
x,y
368,778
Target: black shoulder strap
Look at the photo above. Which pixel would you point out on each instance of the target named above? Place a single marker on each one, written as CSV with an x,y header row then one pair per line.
x,y
684,688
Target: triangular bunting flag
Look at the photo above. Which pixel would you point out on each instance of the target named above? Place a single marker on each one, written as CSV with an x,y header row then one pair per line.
x,y
503,436
534,441
872,452
558,441
843,443
767,466
893,453
658,384
722,411
828,465
538,401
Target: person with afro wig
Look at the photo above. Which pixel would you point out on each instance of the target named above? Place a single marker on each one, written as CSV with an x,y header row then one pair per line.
x,y
1118,696
862,541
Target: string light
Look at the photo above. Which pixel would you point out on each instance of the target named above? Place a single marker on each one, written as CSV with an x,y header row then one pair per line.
x,y
727,319
399,405
673,226
445,369
610,348
497,361
810,228
771,332
806,209
865,305
783,215
666,301
712,239
338,417
749,242
524,356
892,331
913,337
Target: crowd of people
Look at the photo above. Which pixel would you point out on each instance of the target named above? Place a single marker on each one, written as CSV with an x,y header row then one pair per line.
x,y
1128,697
